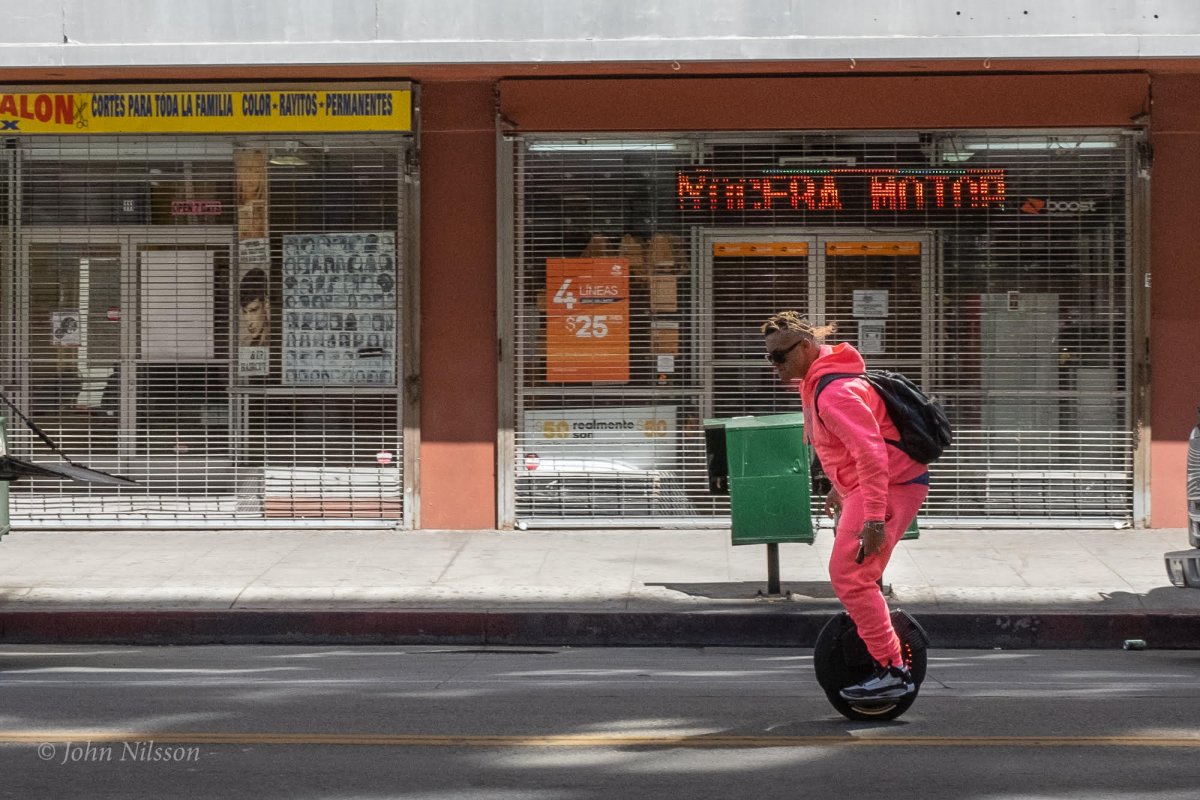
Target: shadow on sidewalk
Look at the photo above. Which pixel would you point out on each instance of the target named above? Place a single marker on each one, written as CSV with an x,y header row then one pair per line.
x,y
751,590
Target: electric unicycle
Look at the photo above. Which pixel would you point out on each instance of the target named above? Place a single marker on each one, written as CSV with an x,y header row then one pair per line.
x,y
841,659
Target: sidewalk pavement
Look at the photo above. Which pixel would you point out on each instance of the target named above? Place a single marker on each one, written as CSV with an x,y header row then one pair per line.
x,y
969,588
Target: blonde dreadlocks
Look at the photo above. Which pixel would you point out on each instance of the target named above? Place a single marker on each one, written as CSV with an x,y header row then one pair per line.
x,y
792,321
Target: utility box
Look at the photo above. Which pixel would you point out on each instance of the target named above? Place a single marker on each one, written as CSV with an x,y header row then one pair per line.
x,y
1193,484
764,467
1183,568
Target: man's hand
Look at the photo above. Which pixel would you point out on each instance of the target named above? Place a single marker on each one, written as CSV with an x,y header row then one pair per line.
x,y
872,537
833,503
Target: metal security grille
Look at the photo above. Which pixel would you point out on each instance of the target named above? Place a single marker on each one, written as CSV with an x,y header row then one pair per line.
x,y
991,267
217,318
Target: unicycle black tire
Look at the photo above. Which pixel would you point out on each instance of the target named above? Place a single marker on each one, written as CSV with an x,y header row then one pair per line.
x,y
841,659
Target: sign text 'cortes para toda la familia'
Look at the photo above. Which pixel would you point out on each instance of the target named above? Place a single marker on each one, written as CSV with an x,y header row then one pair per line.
x,y
842,189
179,110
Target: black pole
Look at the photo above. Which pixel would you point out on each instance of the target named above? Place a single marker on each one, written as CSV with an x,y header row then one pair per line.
x,y
773,568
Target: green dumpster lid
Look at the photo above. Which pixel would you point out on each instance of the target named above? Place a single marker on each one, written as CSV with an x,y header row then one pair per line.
x,y
760,421
719,422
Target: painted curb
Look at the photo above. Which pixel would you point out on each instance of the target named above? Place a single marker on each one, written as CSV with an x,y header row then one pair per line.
x,y
580,629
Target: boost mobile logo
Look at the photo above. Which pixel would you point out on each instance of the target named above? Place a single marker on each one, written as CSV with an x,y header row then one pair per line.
x,y
1041,206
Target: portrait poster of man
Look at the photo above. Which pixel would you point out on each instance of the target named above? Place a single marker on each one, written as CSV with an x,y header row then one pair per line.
x,y
254,317
254,322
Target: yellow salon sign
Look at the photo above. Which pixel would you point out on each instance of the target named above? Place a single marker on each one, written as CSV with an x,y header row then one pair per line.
x,y
207,111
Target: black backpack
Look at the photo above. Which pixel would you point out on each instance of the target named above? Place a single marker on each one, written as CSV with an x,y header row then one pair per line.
x,y
925,431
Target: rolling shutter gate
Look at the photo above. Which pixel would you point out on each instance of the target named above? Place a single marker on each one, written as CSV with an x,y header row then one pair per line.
x,y
991,267
217,318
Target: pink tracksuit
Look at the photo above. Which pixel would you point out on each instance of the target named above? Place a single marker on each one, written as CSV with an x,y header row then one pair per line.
x,y
873,479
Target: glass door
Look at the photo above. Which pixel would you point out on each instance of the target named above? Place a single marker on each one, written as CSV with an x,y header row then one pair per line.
x,y
879,292
747,279
70,355
877,289
177,367
123,352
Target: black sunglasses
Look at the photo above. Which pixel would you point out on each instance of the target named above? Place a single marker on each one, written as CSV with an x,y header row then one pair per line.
x,y
780,355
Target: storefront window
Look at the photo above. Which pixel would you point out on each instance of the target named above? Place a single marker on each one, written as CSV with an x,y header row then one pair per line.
x,y
216,317
65,182
320,313
991,268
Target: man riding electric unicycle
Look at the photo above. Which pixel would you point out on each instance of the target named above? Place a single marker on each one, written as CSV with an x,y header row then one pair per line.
x,y
869,661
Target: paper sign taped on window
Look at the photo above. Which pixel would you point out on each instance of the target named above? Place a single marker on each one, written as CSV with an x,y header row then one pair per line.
x,y
870,303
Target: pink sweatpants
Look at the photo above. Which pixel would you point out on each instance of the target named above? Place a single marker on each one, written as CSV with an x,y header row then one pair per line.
x,y
855,584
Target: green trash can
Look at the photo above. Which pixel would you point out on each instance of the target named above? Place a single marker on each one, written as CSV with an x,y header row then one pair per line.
x,y
762,463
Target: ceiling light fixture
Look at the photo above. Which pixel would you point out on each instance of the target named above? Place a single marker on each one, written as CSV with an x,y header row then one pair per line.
x,y
1046,144
592,145
288,155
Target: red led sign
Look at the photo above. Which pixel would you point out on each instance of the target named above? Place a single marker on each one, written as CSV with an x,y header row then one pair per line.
x,y
702,189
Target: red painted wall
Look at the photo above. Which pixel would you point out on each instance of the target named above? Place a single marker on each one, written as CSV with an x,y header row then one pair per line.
x,y
1174,294
824,103
458,307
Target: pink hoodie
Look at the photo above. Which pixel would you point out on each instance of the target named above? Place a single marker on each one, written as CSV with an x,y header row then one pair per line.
x,y
850,431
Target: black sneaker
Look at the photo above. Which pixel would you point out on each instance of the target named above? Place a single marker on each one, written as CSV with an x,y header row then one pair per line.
x,y
886,683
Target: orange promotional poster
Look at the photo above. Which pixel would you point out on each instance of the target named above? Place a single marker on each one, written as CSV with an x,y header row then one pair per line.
x,y
587,320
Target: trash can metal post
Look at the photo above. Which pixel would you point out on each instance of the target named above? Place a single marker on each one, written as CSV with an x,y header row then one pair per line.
x,y
773,585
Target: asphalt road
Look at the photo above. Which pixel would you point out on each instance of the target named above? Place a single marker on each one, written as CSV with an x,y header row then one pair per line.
x,y
430,722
